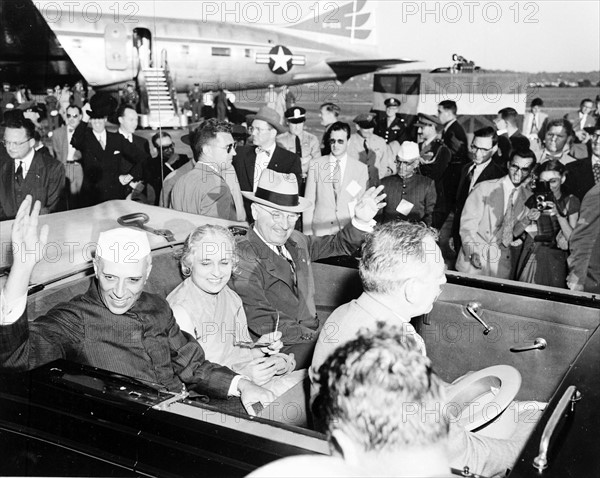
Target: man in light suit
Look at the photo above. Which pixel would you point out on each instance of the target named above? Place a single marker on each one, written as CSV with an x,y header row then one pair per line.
x,y
68,155
534,124
489,217
333,182
251,161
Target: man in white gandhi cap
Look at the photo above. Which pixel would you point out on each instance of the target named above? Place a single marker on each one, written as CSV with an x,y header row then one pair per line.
x,y
115,325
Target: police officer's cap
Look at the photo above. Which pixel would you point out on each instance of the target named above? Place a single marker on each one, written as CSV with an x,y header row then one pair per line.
x,y
295,115
365,120
428,120
392,102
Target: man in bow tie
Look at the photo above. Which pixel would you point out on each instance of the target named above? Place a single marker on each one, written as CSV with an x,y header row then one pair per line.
x,y
251,161
69,156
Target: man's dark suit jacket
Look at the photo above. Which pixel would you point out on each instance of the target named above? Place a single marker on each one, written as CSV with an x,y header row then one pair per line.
x,y
580,177
456,140
493,170
102,167
45,181
508,144
282,161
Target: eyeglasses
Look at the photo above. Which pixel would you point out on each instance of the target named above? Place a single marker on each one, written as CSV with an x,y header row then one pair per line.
x,y
514,168
76,115
252,129
14,144
228,147
166,146
279,216
338,141
477,149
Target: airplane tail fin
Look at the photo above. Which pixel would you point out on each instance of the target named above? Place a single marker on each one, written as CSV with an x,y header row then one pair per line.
x,y
353,20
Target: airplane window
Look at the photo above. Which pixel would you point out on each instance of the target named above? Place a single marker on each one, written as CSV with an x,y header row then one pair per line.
x,y
248,53
219,51
185,49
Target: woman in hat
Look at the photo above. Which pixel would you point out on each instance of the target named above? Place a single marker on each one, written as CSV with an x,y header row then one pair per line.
x,y
205,307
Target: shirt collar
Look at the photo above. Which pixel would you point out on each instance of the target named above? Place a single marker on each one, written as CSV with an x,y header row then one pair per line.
x,y
128,136
27,159
270,246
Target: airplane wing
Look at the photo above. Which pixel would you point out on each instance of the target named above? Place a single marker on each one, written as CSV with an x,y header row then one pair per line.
x,y
346,69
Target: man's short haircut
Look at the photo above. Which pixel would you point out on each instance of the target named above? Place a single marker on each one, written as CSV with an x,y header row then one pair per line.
x,y
449,105
18,122
124,107
76,107
207,132
537,102
332,108
487,132
563,123
509,115
390,253
340,126
586,101
381,391
525,154
157,136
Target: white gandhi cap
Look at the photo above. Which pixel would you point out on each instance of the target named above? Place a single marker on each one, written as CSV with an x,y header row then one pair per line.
x,y
123,245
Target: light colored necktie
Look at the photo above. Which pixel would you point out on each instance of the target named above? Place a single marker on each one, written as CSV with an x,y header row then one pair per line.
x,y
508,224
102,142
337,178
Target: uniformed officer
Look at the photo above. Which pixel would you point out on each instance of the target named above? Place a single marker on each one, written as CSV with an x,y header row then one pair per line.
x,y
195,98
392,127
296,140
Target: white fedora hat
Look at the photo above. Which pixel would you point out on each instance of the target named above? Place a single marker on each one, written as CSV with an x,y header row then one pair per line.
x,y
279,191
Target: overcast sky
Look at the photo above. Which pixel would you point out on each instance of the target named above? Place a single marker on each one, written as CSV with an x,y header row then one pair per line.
x,y
510,35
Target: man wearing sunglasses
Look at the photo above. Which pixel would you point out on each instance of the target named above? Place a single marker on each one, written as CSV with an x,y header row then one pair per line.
x,y
211,188
69,156
490,221
333,183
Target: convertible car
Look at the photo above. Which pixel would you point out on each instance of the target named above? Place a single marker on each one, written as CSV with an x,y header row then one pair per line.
x,y
69,419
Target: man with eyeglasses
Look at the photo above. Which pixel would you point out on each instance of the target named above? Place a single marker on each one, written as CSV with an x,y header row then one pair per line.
x,y
211,188
28,172
251,161
334,182
274,275
69,156
581,119
485,164
488,225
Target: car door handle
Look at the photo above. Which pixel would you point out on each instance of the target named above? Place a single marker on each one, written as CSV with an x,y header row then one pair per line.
x,y
538,344
572,396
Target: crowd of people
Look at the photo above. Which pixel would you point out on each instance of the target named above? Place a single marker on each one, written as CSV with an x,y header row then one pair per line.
x,y
518,204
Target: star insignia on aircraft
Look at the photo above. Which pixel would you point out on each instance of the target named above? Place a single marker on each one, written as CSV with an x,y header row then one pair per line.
x,y
280,59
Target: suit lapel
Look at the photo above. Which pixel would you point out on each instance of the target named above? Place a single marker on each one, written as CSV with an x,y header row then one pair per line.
x,y
249,164
275,265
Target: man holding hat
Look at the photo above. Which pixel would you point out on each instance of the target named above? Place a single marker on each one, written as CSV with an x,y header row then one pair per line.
x,y
274,277
392,127
110,162
115,325
371,149
296,140
435,157
410,196
251,161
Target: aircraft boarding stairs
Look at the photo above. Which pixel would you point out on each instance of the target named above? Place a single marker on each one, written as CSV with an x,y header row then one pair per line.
x,y
162,107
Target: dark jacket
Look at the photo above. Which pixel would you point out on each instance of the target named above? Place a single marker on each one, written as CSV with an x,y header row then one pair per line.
x,y
144,343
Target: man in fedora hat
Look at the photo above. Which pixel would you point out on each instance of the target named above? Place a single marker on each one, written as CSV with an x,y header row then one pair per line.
x,y
251,161
410,196
109,161
274,277
297,140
